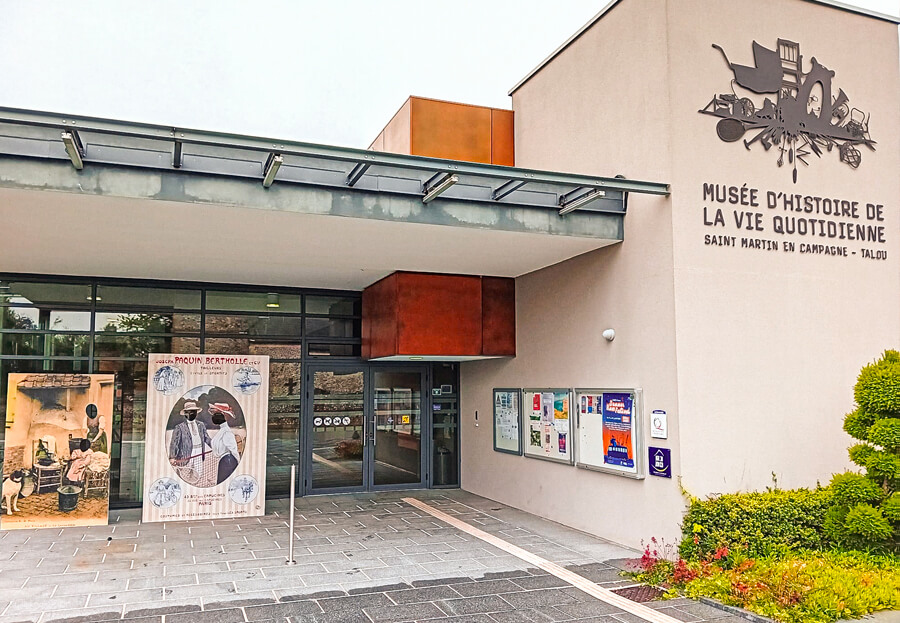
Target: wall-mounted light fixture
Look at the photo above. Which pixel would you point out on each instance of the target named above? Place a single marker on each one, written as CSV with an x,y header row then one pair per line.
x,y
609,335
272,300
434,190
271,169
74,147
567,205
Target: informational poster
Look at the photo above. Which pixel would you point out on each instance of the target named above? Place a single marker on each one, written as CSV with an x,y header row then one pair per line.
x,y
609,433
548,432
56,462
508,421
206,437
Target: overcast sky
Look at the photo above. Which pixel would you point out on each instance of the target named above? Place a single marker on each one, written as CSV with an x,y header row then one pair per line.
x,y
330,71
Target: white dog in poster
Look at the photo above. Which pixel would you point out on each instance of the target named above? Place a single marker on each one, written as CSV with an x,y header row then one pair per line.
x,y
11,488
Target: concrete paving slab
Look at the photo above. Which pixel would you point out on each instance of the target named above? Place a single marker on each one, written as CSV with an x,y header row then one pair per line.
x,y
367,557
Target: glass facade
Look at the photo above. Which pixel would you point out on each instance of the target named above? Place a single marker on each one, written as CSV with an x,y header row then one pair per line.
x,y
110,326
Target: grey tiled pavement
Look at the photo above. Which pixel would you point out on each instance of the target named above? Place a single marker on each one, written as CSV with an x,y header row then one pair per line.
x,y
360,558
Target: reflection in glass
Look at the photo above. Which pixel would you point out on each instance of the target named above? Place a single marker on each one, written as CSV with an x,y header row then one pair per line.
x,y
270,303
170,298
110,322
333,327
129,428
445,427
44,294
251,346
136,346
32,318
398,427
335,350
283,440
337,430
31,344
334,305
254,325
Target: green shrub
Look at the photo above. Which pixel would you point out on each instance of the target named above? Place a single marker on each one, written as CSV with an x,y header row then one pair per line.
x,y
883,466
886,433
891,508
860,453
877,390
868,523
850,489
758,523
857,520
857,424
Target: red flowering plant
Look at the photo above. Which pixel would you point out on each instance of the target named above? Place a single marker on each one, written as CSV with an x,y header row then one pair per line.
x,y
657,563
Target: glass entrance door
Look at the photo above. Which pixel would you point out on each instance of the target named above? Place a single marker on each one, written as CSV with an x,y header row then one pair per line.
x,y
397,443
364,429
336,431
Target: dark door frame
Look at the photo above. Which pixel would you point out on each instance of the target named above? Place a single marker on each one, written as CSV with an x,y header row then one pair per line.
x,y
304,481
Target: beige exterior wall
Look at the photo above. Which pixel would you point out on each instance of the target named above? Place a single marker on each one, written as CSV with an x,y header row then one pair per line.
x,y
753,353
770,343
562,310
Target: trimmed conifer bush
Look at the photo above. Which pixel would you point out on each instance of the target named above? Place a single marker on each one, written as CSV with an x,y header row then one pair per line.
x,y
866,511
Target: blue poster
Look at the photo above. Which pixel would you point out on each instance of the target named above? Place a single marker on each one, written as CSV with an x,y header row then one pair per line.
x,y
660,462
618,414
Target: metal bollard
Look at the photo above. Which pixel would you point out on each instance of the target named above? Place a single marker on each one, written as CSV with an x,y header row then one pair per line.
x,y
291,560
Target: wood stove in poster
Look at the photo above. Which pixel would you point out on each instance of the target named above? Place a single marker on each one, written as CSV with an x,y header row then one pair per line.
x,y
206,437
56,461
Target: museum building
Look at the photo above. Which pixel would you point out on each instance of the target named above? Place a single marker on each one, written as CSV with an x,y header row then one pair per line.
x,y
689,216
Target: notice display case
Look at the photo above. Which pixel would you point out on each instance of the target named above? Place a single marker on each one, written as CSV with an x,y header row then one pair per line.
x,y
548,433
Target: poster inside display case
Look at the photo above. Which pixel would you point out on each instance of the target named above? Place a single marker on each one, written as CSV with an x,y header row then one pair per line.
x,y
548,430
508,421
610,437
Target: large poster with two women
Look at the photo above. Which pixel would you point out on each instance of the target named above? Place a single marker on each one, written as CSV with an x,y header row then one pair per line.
x,y
206,437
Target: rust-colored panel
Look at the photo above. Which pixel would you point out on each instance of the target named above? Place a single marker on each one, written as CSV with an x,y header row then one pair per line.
x,y
449,130
379,318
503,137
439,314
498,300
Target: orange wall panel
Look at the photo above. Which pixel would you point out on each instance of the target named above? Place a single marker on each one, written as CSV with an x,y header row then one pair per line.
x,y
449,130
424,314
439,314
498,325
438,129
379,318
503,143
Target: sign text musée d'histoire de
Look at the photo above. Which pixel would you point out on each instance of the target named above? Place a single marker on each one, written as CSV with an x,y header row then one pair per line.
x,y
769,220
800,117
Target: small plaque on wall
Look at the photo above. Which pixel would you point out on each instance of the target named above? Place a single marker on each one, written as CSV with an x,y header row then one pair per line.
x,y
660,462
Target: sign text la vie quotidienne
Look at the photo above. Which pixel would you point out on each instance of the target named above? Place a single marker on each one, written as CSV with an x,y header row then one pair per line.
x,y
814,225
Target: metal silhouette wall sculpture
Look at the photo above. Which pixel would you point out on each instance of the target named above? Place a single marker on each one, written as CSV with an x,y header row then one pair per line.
x,y
805,117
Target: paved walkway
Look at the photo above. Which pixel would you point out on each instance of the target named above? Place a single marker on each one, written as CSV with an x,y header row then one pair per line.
x,y
360,558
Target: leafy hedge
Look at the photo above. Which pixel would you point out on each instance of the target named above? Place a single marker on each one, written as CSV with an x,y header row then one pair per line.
x,y
758,523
